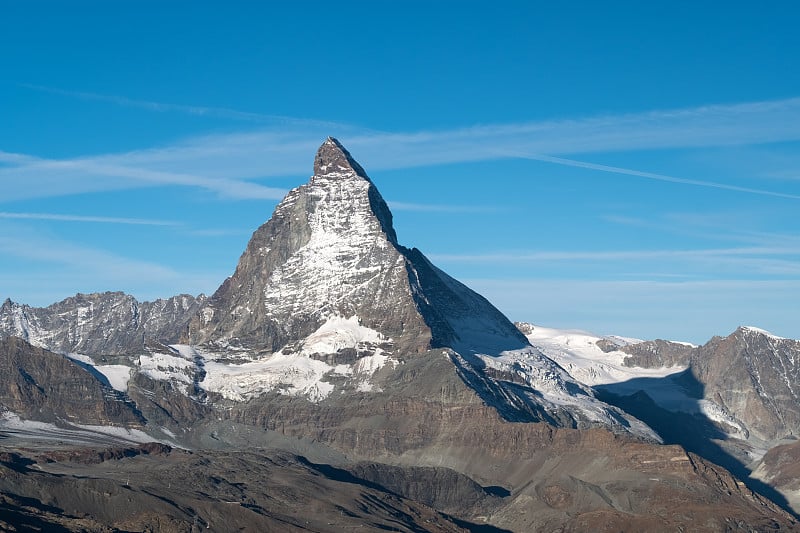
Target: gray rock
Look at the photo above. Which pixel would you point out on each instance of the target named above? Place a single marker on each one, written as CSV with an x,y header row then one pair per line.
x,y
755,377
655,354
40,385
110,323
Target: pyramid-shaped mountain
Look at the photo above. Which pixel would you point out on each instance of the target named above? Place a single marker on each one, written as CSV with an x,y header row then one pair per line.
x,y
330,252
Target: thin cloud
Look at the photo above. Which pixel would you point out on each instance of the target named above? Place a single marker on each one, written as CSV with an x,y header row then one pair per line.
x,y
104,264
439,208
651,175
161,107
45,177
82,218
624,255
224,163
682,310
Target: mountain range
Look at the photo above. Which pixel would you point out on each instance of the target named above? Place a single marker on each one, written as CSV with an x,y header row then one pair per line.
x,y
341,372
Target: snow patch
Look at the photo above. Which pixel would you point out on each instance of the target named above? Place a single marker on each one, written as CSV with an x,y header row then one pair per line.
x,y
75,433
338,333
289,373
118,376
167,367
577,352
753,329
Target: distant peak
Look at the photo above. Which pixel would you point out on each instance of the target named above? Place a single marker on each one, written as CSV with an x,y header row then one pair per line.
x,y
333,157
757,331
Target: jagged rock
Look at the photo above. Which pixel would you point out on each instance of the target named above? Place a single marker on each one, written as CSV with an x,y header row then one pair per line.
x,y
753,375
657,353
39,385
203,491
110,323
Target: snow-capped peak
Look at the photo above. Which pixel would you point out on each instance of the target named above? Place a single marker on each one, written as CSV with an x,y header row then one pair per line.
x,y
759,331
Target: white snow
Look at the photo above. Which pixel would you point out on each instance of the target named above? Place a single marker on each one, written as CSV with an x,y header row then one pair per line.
x,y
578,353
334,264
117,375
76,433
556,388
167,367
81,358
754,329
337,333
290,373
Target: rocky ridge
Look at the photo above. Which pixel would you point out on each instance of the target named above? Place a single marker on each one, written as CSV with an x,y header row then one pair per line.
x,y
110,323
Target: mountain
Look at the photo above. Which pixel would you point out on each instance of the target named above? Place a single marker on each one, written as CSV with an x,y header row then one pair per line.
x,y
731,400
110,323
330,251
754,377
336,358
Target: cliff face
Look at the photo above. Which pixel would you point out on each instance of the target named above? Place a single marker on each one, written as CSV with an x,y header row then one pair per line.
x,y
41,385
753,375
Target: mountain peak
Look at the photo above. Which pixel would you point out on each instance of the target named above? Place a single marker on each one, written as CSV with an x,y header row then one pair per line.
x,y
333,158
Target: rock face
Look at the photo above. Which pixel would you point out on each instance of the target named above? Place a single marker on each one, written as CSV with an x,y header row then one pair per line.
x,y
754,376
330,250
110,323
780,468
41,385
657,353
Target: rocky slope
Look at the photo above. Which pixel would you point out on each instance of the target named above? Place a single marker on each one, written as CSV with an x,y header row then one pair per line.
x,y
155,488
111,323
40,385
325,289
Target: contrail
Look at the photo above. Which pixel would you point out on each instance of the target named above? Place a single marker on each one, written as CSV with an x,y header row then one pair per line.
x,y
649,175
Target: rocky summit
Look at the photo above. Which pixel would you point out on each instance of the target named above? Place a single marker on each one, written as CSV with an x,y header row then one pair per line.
x,y
339,380
329,251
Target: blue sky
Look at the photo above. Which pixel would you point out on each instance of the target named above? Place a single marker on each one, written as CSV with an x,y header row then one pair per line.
x,y
628,168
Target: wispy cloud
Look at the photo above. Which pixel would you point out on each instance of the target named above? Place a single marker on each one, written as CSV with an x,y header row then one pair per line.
x,y
161,107
45,177
105,264
624,255
81,268
440,208
781,261
652,176
229,163
82,218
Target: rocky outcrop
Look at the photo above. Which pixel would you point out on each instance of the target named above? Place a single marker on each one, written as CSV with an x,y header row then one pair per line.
x,y
39,385
110,323
657,353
